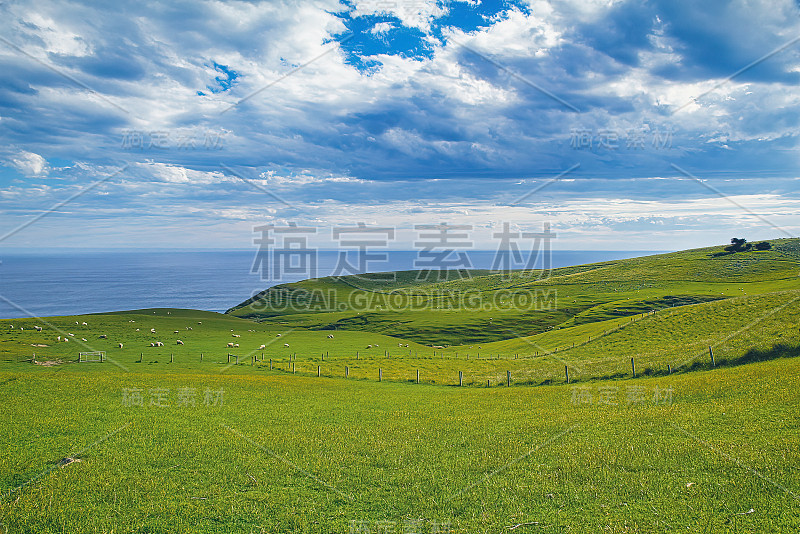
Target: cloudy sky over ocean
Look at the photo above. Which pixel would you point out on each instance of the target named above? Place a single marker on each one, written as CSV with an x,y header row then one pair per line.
x,y
626,125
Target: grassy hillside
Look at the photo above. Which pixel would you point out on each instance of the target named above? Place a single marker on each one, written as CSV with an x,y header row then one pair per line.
x,y
250,439
481,307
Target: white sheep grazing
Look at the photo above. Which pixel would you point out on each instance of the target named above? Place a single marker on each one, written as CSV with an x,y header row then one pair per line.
x,y
286,345
66,339
84,324
76,322
330,336
230,345
38,328
236,335
103,336
278,335
179,342
236,345
84,340
137,329
71,334
159,344
262,347
152,330
176,332
120,345
199,322
369,346
59,338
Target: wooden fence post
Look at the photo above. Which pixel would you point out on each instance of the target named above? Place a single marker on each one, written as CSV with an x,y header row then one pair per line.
x,y
318,371
669,369
270,364
417,376
460,378
171,358
237,359
201,356
380,374
346,371
508,378
711,353
633,368
229,357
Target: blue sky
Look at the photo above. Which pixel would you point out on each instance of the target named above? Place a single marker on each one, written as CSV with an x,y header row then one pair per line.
x,y
669,124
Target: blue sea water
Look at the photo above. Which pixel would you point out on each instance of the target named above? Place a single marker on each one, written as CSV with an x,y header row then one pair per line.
x,y
53,283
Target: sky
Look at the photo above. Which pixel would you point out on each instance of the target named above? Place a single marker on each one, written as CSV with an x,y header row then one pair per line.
x,y
649,125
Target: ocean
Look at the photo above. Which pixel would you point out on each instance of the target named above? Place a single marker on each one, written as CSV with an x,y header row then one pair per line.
x,y
50,283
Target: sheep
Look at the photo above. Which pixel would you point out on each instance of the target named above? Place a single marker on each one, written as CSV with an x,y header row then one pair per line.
x,y
278,335
152,344
330,336
176,332
262,347
38,328
103,336
76,322
230,345
236,335
137,329
179,342
66,339
59,338
159,344
84,323
236,345
71,334
199,322
120,345
152,330
369,346
286,345
84,340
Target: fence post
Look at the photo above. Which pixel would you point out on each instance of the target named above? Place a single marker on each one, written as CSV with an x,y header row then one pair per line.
x,y
711,353
346,371
417,376
171,358
460,378
318,371
508,378
669,369
229,357
270,364
566,373
633,368
487,382
380,374
201,356
356,355
237,359
292,367
141,357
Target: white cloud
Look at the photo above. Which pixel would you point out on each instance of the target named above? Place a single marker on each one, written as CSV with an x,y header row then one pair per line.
x,y
29,164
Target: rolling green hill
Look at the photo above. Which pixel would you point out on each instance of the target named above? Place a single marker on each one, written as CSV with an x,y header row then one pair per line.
x,y
329,417
481,307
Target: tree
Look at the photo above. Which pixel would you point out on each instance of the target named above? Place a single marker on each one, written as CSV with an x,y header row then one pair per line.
x,y
738,245
763,245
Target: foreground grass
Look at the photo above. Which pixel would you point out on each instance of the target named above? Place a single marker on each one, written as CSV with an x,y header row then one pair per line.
x,y
285,453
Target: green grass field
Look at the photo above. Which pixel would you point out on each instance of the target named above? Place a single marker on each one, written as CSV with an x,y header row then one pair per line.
x,y
169,441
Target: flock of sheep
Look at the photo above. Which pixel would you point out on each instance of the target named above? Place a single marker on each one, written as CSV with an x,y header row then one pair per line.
x,y
66,338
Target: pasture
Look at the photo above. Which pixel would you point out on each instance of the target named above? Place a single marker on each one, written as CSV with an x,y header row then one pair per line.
x,y
160,438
